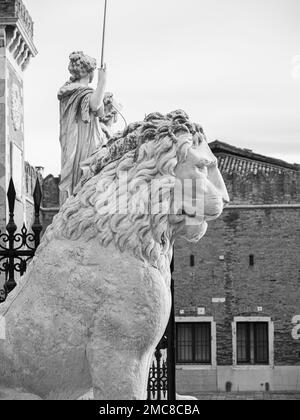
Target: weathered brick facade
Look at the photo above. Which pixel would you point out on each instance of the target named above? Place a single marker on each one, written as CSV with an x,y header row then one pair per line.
x,y
50,199
262,221
273,237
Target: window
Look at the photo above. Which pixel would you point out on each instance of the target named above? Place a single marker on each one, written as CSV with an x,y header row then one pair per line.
x,y
194,342
252,343
192,260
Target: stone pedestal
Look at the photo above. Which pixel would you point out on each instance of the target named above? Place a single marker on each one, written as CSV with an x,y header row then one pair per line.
x,y
16,49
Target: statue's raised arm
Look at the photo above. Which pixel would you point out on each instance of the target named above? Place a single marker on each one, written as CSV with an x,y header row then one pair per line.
x,y
80,132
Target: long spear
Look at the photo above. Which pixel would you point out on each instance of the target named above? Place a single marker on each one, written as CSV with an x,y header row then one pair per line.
x,y
102,56
103,34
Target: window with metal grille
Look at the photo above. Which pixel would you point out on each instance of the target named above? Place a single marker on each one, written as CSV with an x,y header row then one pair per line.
x,y
252,343
194,342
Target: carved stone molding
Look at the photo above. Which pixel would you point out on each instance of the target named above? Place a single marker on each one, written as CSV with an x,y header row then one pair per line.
x,y
23,14
19,49
16,31
13,40
2,36
24,60
16,107
13,10
20,54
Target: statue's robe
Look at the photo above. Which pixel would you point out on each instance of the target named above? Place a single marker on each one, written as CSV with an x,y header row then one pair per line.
x,y
80,134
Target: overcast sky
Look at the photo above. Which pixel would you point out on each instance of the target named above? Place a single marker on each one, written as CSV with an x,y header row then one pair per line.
x,y
228,63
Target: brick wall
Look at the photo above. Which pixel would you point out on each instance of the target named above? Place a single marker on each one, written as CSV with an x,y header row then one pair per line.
x,y
50,192
277,187
273,238
222,262
50,200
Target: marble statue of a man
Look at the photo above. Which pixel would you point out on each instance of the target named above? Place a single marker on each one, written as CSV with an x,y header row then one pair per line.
x,y
80,132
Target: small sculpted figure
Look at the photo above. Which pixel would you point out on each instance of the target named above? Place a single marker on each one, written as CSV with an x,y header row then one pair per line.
x,y
109,114
80,131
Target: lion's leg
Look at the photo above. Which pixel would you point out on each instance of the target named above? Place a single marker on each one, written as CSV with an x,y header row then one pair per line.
x,y
117,374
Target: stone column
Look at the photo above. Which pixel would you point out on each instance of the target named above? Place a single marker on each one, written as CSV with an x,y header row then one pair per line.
x,y
16,49
3,145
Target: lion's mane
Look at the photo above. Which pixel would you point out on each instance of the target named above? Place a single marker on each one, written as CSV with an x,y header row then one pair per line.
x,y
144,151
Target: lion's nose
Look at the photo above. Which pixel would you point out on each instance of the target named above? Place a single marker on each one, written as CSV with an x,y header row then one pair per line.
x,y
216,178
226,200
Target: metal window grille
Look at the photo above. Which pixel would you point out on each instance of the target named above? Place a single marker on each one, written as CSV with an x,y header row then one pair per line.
x,y
252,343
261,343
194,343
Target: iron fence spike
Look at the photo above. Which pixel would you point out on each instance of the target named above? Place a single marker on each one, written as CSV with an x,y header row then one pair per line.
x,y
37,194
11,195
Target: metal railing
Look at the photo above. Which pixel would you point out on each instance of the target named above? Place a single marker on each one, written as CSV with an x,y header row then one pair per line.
x,y
18,249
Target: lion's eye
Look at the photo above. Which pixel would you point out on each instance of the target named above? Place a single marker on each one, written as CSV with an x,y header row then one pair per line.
x,y
203,163
203,170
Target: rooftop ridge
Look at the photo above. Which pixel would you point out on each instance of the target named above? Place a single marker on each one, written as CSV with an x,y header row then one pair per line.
x,y
222,147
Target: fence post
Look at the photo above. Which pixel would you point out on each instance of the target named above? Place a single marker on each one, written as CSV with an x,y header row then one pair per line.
x,y
37,226
11,229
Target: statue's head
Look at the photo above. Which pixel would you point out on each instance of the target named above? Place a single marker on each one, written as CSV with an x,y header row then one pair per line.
x,y
155,181
81,66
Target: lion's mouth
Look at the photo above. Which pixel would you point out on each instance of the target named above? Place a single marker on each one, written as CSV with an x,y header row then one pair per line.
x,y
194,215
191,215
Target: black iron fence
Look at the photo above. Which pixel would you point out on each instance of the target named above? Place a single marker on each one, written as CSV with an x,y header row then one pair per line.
x,y
158,375
17,249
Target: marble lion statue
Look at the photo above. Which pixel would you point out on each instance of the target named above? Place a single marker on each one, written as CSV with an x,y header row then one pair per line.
x,y
96,300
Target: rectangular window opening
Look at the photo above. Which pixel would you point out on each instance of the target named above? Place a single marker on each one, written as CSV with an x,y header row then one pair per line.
x,y
252,342
193,342
192,261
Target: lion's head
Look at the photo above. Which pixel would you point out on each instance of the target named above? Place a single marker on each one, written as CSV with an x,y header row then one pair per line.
x,y
156,180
